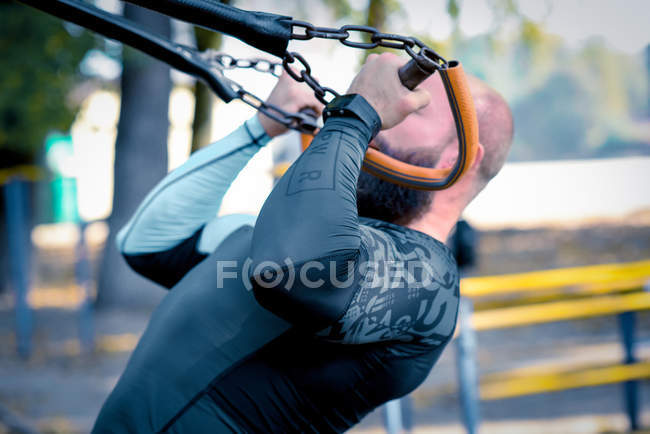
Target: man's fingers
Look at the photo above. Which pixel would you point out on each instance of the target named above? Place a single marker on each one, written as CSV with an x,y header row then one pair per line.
x,y
311,110
408,104
371,57
418,99
308,99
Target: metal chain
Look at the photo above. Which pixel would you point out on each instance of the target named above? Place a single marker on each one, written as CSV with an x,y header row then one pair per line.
x,y
304,76
262,65
304,121
413,46
301,121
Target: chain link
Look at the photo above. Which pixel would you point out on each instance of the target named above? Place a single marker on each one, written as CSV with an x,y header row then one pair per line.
x,y
304,76
258,64
377,38
415,48
299,69
302,122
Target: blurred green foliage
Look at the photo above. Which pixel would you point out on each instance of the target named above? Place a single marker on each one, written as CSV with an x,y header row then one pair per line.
x,y
39,62
453,9
567,103
203,96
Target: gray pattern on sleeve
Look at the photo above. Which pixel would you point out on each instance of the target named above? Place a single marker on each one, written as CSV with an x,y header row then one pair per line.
x,y
408,292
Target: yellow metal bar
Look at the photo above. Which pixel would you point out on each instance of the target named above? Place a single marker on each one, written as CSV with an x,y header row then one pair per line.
x,y
65,297
119,343
554,294
548,279
500,386
27,172
280,168
559,311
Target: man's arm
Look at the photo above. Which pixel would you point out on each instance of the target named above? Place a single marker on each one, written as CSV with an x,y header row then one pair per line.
x,y
307,237
408,292
176,226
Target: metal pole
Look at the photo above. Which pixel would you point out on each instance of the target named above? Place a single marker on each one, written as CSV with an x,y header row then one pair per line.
x,y
12,423
406,405
393,417
467,370
647,71
19,241
627,322
83,277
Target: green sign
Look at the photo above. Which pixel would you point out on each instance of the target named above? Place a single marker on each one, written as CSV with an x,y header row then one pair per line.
x,y
59,156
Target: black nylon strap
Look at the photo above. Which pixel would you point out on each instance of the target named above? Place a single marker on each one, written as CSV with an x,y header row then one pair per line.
x,y
128,32
354,106
268,32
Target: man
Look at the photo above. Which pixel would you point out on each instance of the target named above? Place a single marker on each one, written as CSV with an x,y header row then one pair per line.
x,y
345,313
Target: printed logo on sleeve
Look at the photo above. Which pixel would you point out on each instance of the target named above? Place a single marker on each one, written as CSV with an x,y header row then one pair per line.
x,y
314,171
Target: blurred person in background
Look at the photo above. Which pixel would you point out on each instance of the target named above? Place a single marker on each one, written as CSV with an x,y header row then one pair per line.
x,y
323,338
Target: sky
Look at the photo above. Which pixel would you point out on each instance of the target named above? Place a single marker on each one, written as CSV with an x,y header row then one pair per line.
x,y
624,25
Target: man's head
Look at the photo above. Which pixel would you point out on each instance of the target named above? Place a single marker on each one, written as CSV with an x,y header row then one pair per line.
x,y
427,137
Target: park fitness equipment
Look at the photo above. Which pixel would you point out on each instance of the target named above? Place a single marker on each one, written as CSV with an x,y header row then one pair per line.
x,y
271,33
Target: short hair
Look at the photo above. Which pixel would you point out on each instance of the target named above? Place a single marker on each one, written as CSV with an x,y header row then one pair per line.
x,y
495,126
396,204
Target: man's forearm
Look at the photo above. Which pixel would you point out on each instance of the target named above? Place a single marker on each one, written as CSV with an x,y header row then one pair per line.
x,y
191,195
312,211
309,227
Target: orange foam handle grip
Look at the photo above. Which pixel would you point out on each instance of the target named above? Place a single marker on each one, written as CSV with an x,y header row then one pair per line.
x,y
305,140
425,178
464,112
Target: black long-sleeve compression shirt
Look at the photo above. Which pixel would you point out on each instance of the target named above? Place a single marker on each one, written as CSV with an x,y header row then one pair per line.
x,y
316,265
213,360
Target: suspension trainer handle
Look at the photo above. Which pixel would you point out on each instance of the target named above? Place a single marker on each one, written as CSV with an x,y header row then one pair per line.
x,y
462,107
464,113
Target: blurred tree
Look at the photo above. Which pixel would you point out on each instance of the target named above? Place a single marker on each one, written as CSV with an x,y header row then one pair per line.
x,y
375,14
140,158
379,11
567,103
453,10
39,67
553,120
341,8
203,96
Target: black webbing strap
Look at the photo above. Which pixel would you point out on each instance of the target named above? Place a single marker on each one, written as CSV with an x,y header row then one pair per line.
x,y
262,30
123,30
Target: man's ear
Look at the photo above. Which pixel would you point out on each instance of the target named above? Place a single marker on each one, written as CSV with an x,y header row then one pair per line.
x,y
480,153
450,155
447,158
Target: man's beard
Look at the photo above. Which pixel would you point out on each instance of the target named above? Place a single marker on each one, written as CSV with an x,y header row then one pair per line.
x,y
390,202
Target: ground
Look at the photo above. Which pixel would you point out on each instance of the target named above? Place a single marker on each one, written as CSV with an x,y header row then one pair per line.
x,y
61,388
